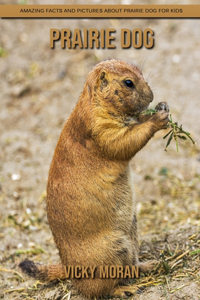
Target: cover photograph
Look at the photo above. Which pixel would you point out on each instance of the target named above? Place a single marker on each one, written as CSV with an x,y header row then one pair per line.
x,y
100,155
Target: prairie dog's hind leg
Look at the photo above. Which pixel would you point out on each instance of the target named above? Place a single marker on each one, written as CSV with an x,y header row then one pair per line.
x,y
124,291
147,265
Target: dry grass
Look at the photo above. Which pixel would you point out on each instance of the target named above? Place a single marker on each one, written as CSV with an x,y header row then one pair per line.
x,y
172,237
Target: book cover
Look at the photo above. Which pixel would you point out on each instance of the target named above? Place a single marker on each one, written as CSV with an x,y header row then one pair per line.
x,y
46,53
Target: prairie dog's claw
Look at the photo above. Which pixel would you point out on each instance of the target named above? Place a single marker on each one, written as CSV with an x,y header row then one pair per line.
x,y
162,106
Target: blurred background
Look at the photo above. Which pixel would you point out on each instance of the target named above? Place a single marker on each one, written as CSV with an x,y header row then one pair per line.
x,y
39,88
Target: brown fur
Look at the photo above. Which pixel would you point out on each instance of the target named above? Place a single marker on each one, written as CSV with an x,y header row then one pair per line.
x,y
90,204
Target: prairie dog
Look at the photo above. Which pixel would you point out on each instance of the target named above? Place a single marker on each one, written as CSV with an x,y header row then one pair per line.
x,y
90,204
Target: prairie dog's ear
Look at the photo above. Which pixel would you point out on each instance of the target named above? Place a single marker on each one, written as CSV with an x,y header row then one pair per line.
x,y
103,78
103,75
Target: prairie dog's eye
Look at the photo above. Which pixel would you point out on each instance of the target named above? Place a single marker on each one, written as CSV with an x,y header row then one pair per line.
x,y
129,83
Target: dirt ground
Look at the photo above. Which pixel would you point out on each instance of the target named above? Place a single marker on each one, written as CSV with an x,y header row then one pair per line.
x,y
39,88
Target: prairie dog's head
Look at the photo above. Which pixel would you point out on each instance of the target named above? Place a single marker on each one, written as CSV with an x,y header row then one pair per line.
x,y
119,87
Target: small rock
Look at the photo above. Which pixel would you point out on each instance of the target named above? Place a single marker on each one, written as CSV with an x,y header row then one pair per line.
x,y
19,90
28,210
16,195
176,58
31,244
20,245
15,176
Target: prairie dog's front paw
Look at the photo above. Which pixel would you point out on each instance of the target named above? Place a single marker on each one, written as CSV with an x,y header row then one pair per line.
x,y
162,106
160,119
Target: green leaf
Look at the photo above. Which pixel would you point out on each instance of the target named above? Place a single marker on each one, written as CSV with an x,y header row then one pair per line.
x,y
169,141
182,137
167,134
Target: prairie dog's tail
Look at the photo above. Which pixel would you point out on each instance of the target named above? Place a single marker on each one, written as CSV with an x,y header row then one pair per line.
x,y
43,272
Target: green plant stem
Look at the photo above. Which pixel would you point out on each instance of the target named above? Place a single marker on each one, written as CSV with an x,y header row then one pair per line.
x,y
176,131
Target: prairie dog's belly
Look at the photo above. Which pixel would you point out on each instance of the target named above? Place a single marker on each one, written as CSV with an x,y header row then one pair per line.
x,y
126,210
118,197
101,201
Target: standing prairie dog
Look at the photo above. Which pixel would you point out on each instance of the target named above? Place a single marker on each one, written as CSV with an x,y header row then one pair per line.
x,y
90,205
